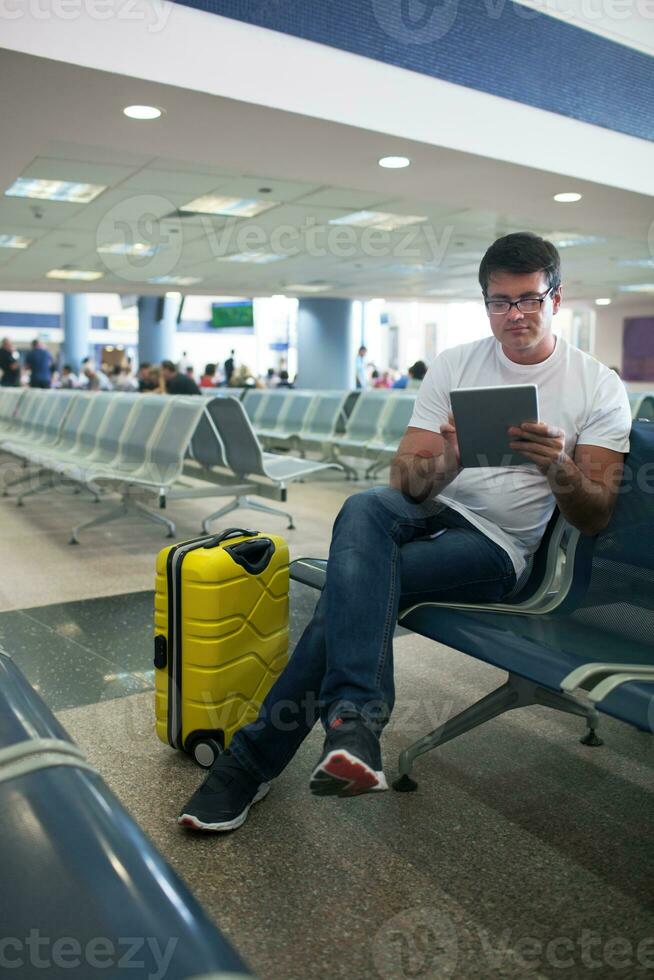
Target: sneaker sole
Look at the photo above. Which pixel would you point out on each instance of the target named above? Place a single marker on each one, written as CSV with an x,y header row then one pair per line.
x,y
194,823
342,774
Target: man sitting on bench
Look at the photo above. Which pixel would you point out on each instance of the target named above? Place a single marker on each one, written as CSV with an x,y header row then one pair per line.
x,y
439,533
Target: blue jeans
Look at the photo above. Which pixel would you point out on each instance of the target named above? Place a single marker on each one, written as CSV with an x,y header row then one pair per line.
x,y
381,559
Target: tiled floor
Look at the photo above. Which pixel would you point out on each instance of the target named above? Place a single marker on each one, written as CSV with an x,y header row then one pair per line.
x,y
523,854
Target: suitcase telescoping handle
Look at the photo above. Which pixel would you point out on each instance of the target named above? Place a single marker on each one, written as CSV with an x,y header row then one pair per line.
x,y
253,556
231,532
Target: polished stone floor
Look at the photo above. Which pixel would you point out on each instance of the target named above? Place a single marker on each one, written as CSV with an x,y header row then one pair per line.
x,y
523,853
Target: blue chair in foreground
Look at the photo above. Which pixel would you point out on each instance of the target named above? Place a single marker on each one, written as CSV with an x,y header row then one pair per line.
x,y
578,636
85,892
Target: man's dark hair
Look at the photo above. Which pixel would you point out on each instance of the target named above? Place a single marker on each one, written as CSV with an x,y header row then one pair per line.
x,y
144,365
169,366
210,369
520,253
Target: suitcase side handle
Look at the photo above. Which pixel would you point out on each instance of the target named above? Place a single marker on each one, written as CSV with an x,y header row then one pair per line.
x,y
253,556
231,532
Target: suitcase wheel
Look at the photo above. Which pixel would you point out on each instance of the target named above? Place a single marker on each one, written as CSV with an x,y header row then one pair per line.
x,y
205,751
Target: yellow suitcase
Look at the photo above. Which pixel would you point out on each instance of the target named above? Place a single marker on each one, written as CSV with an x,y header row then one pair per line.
x,y
221,636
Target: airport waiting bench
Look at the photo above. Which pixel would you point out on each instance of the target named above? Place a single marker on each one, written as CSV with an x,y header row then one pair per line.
x,y
124,443
578,636
642,405
80,877
369,425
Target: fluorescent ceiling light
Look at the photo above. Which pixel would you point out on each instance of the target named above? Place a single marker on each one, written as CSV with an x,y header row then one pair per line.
x,y
441,292
394,163
142,111
563,240
377,219
55,190
308,287
639,263
121,248
641,287
85,274
258,258
237,207
174,280
603,301
568,197
14,241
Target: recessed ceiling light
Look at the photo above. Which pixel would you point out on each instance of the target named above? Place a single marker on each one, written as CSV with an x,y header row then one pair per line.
x,y
142,111
603,301
231,206
308,287
84,274
640,263
174,280
568,197
563,240
257,258
72,192
394,163
377,219
122,248
641,287
14,241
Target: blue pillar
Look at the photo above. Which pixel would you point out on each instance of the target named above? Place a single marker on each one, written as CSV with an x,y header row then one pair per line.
x,y
327,342
77,323
157,327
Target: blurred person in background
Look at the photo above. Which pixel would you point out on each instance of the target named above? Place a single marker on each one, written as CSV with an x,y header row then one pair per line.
x,y
122,380
40,365
9,365
360,368
242,377
96,380
284,380
68,378
176,383
229,367
144,378
382,380
208,379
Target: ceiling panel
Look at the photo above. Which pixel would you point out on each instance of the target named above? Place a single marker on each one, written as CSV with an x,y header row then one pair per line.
x,y
22,211
189,184
351,200
61,150
84,172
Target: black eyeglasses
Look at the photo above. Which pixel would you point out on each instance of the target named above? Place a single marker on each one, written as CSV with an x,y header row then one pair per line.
x,y
530,305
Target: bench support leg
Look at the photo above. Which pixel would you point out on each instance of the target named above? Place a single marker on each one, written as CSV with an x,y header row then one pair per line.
x,y
517,692
125,508
249,504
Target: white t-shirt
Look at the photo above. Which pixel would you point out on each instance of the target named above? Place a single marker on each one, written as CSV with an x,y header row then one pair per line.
x,y
513,504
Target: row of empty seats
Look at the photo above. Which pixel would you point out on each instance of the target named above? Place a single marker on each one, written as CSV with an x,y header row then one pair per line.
x,y
128,442
366,424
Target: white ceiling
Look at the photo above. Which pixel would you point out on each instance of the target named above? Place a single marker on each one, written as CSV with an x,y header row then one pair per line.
x,y
65,122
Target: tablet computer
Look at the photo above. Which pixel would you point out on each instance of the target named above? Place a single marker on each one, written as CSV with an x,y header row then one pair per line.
x,y
482,417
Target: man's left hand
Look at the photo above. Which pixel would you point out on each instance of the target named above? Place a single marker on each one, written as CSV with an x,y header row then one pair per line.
x,y
541,443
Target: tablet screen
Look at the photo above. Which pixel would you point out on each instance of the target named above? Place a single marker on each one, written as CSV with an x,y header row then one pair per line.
x,y
482,417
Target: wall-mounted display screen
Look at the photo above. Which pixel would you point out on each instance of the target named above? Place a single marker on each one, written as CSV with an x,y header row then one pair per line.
x,y
238,313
